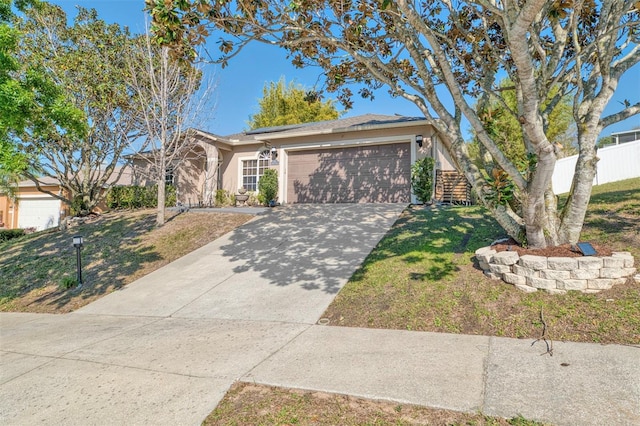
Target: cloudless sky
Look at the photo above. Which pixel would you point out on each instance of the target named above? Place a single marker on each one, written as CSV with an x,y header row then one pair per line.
x,y
239,85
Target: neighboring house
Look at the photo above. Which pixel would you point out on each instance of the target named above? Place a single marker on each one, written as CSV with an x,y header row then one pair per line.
x,y
31,208
363,159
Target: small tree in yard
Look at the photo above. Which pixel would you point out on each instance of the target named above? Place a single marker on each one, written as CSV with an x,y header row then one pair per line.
x,y
422,179
168,101
268,187
445,57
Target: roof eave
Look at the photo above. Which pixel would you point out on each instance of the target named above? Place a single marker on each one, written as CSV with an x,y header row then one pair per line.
x,y
356,128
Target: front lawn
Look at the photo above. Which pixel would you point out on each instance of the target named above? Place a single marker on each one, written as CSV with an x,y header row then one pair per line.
x,y
119,248
422,276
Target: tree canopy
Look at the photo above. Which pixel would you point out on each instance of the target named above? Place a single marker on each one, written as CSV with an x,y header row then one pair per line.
x,y
432,52
500,120
30,101
283,104
84,64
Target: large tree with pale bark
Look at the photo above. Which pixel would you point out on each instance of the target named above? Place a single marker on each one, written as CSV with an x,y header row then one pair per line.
x,y
435,52
84,64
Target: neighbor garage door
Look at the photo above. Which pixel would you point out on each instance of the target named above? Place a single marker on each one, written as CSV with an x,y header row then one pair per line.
x,y
40,213
371,174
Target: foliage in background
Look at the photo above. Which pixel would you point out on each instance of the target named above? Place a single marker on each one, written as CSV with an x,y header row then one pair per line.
x,y
283,104
136,197
268,187
31,102
445,57
499,115
422,179
501,188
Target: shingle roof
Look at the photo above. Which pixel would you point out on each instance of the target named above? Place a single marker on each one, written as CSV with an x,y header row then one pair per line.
x,y
342,124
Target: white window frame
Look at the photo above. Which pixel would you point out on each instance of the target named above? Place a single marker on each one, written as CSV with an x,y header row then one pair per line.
x,y
263,161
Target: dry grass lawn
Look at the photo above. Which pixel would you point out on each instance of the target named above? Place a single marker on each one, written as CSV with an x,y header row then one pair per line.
x,y
120,247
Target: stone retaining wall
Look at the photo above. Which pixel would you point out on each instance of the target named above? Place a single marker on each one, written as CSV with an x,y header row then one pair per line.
x,y
588,274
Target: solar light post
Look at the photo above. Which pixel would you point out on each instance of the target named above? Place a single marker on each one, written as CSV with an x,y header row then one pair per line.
x,y
78,241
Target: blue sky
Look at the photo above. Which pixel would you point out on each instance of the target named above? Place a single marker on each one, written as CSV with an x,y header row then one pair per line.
x,y
239,85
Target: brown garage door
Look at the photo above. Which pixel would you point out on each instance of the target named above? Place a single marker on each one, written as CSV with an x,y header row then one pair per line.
x,y
371,174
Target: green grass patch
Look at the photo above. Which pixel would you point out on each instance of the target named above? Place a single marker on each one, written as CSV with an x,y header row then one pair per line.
x,y
422,276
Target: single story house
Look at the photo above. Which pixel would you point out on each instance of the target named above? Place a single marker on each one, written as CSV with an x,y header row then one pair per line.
x,y
362,159
32,208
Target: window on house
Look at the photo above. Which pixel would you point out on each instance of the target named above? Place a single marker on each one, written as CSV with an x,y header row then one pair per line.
x,y
252,170
169,176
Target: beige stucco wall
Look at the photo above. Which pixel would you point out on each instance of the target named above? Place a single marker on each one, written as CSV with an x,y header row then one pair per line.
x,y
4,211
231,165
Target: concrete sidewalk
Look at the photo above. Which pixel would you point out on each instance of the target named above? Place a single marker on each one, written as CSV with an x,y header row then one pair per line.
x,y
165,349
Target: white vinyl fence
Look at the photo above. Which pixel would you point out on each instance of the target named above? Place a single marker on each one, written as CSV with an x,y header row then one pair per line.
x,y
617,162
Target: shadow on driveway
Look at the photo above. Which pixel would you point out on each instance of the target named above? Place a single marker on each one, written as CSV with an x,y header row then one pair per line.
x,y
313,246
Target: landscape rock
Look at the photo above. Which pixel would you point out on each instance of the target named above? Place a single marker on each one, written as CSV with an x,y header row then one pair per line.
x,y
499,269
613,262
525,272
628,258
526,288
505,258
590,262
551,274
541,283
572,284
600,284
562,263
533,262
514,279
585,274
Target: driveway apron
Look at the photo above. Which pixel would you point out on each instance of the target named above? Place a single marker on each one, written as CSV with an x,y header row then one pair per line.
x,y
164,349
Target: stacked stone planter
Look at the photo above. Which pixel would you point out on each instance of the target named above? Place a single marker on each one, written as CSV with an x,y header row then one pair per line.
x,y
556,274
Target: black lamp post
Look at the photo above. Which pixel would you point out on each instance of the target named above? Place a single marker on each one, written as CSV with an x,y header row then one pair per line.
x,y
78,241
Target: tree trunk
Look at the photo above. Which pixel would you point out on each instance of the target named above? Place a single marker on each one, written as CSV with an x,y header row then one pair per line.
x,y
161,202
575,210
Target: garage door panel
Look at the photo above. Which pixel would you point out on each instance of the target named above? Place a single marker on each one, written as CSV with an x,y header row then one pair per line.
x,y
39,213
350,175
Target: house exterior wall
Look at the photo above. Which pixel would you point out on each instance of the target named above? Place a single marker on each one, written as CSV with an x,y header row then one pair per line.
x,y
5,204
232,165
10,209
195,175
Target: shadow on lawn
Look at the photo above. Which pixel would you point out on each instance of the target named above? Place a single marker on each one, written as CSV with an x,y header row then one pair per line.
x,y
110,254
616,211
433,239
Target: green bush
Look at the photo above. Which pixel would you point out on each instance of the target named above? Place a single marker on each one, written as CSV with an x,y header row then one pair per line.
x,y
422,179
68,282
268,187
9,234
136,197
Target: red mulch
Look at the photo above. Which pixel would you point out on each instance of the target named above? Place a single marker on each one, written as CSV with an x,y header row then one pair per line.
x,y
558,251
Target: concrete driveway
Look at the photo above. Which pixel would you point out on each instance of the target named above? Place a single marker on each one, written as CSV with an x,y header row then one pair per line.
x,y
164,349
